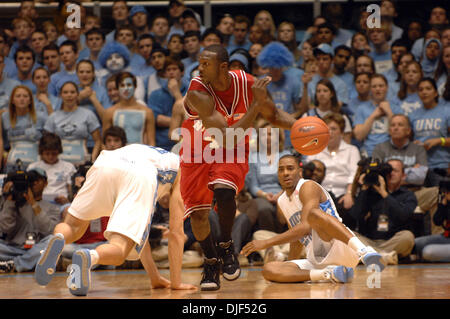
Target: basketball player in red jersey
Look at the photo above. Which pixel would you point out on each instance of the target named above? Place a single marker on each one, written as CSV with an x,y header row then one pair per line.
x,y
222,100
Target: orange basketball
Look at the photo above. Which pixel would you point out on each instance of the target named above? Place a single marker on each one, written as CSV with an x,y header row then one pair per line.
x,y
309,135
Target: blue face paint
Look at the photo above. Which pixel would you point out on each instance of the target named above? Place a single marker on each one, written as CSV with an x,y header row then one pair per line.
x,y
126,89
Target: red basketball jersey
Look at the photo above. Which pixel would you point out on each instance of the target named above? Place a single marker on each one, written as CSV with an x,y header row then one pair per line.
x,y
232,104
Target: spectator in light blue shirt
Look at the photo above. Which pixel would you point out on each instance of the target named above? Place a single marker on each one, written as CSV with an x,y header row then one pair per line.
x,y
6,85
22,128
68,52
239,39
324,55
372,120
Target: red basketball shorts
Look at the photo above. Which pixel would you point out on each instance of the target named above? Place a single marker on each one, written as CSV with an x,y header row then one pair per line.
x,y
198,179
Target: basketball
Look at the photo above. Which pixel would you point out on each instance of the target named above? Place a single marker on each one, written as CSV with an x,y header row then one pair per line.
x,y
309,135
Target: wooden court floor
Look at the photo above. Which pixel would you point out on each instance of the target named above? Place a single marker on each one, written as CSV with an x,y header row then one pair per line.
x,y
418,281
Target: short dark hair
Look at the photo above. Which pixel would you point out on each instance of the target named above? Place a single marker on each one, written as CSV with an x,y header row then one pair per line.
x,y
342,47
146,36
95,31
212,31
192,33
115,131
24,49
71,44
401,43
221,52
296,158
125,27
171,61
327,25
50,47
50,142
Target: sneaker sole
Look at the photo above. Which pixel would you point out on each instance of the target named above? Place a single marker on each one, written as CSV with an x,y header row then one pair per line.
x,y
82,259
343,274
231,277
46,266
209,287
374,259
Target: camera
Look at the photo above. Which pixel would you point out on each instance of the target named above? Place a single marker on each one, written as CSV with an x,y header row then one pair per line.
x,y
81,172
373,169
21,183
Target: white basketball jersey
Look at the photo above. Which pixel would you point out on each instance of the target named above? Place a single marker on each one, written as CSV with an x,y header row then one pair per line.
x,y
291,207
140,156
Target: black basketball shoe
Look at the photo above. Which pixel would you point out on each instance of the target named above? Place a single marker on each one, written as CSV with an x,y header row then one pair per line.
x,y
211,275
230,263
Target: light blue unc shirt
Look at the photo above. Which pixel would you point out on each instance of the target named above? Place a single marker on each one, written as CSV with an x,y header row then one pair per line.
x,y
74,129
433,123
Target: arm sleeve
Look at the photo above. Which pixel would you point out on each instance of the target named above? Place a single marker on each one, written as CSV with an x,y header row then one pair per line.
x,y
8,217
401,208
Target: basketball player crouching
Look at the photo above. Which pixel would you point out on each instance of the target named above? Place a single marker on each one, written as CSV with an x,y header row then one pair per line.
x,y
123,184
332,250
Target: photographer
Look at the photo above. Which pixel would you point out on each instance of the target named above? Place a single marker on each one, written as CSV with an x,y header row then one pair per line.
x,y
384,209
436,248
26,220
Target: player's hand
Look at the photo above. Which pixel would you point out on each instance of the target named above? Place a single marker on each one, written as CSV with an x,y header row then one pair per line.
x,y
259,88
183,286
252,246
160,282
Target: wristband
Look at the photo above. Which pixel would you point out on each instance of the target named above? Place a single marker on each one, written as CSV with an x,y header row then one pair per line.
x,y
442,141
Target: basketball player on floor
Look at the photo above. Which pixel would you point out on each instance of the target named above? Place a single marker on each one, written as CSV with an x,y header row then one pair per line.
x,y
332,250
123,184
219,99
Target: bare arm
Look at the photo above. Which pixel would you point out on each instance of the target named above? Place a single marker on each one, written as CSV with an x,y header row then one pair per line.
x,y
293,234
204,105
176,237
98,144
157,281
150,130
177,119
107,119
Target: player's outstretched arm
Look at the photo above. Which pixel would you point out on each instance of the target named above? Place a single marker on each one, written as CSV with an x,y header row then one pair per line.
x,y
176,237
295,233
276,116
157,281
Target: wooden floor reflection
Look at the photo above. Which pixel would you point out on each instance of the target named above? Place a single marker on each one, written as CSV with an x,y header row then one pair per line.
x,y
421,281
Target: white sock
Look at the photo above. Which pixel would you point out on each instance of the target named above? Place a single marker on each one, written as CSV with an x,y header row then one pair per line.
x,y
60,235
94,257
356,244
317,274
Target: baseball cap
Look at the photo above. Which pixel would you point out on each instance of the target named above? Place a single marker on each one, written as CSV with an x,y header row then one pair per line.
x,y
39,172
239,57
137,9
323,48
